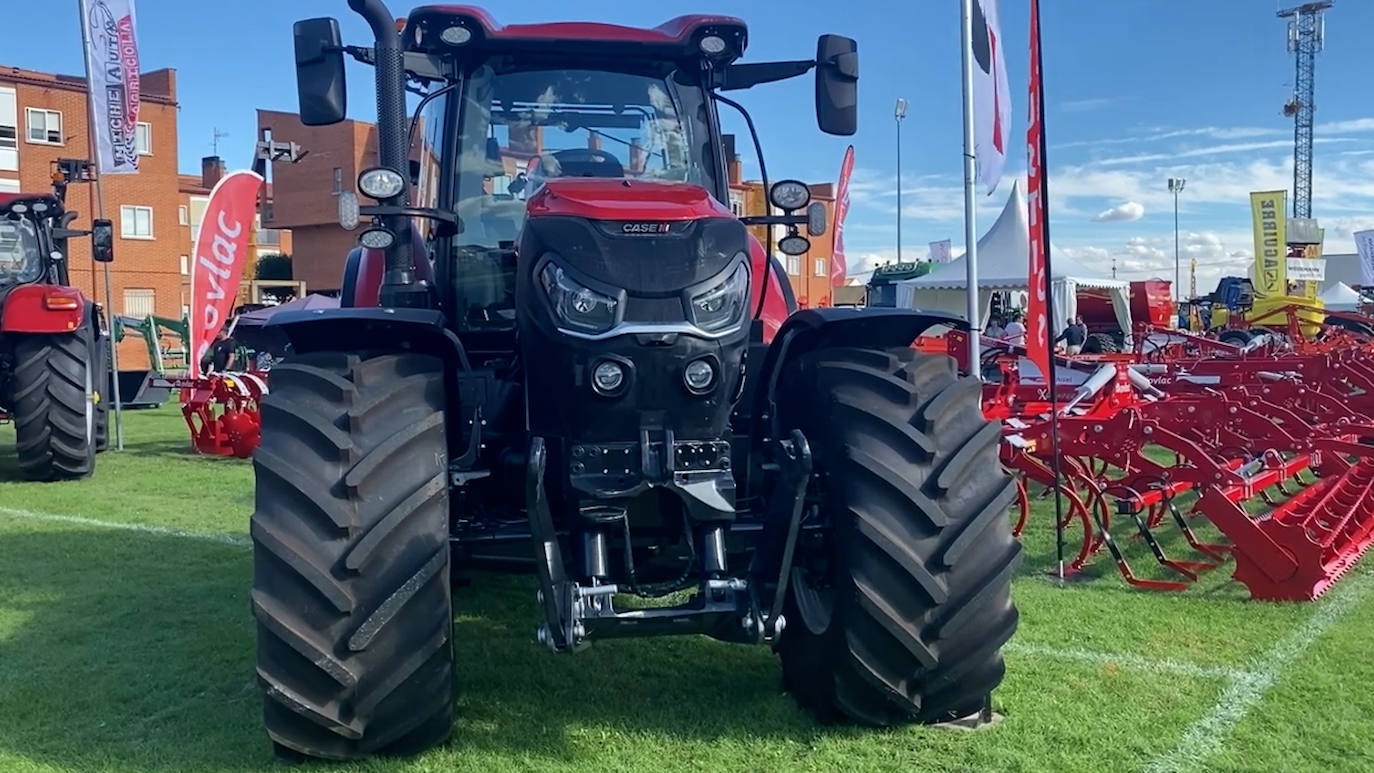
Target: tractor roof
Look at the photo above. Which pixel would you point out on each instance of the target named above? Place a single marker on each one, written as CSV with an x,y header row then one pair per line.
x,y
6,199
673,39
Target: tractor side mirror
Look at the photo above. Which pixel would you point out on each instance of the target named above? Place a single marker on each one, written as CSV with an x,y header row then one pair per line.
x,y
102,241
837,84
320,72
815,219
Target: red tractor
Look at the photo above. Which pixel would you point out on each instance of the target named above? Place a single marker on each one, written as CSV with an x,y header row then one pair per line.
x,y
559,349
53,348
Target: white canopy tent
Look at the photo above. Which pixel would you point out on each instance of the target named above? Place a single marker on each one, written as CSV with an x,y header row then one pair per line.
x,y
1003,265
1341,297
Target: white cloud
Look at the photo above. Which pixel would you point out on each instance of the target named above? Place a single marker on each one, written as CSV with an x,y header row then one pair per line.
x,y
1124,212
1085,105
1212,150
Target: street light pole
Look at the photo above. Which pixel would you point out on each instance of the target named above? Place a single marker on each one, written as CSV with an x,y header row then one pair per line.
x,y
1176,187
898,113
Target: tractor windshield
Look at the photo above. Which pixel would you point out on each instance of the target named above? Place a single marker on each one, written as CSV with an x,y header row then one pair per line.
x,y
21,257
521,128
517,127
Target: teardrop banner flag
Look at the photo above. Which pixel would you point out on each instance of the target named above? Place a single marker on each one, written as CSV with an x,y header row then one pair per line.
x,y
1039,323
221,251
839,268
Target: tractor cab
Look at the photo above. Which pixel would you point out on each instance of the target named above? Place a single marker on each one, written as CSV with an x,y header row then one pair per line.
x,y
25,237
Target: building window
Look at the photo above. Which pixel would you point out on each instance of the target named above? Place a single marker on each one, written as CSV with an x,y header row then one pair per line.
x,y
45,126
136,222
143,138
197,210
794,265
185,265
9,130
9,186
269,238
338,181
183,215
820,266
139,302
737,203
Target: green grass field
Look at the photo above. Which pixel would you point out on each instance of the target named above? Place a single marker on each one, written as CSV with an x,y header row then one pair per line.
x,y
126,644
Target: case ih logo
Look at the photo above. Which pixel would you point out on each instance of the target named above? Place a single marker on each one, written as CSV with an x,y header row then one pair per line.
x,y
646,229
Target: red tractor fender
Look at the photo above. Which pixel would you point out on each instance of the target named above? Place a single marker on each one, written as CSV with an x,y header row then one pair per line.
x,y
779,301
43,309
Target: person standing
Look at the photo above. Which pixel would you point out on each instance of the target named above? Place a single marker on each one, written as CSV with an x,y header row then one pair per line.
x,y
1074,336
1016,330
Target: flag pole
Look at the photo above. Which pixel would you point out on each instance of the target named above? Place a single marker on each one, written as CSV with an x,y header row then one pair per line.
x,y
98,207
970,207
1043,193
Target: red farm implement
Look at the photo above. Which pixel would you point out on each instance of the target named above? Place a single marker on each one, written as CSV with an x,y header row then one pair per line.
x,y
222,411
1267,441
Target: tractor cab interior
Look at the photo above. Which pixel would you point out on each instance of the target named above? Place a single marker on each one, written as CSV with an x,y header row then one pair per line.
x,y
517,128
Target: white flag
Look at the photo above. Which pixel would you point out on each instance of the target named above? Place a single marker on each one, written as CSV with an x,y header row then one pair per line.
x,y
112,70
1364,243
940,251
991,95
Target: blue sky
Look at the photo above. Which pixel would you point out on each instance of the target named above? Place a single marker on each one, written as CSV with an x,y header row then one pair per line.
x,y
1136,91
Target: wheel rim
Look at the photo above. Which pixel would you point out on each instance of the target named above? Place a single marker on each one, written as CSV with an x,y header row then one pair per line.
x,y
90,406
816,605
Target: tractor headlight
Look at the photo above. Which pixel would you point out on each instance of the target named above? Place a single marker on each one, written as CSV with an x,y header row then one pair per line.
x,y
381,183
608,377
699,376
575,305
722,306
789,195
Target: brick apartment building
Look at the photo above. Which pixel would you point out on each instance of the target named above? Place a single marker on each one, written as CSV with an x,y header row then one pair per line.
x,y
43,117
809,274
303,194
194,195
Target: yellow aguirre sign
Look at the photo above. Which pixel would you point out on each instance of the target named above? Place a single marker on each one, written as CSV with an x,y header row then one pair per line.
x,y
1271,250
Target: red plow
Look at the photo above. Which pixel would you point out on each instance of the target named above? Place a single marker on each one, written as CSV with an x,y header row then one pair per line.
x,y
1271,443
222,411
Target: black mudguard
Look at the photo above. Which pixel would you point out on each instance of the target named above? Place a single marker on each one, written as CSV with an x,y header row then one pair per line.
x,y
813,329
807,331
362,328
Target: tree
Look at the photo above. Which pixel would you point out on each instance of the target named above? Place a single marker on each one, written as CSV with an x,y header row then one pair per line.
x,y
273,266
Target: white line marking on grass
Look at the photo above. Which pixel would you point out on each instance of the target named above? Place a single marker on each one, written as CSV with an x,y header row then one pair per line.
x,y
143,528
1206,736
1125,660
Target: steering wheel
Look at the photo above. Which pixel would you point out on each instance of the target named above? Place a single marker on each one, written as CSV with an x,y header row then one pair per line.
x,y
588,162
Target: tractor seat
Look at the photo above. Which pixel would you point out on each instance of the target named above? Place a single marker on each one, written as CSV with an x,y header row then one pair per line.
x,y
580,162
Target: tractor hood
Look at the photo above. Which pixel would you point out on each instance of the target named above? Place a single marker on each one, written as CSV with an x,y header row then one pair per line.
x,y
642,237
623,199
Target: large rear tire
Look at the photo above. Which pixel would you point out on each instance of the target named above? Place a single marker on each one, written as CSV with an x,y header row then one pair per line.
x,y
54,406
900,613
351,557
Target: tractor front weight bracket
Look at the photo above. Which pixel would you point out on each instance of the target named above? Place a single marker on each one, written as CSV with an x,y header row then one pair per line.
x,y
723,607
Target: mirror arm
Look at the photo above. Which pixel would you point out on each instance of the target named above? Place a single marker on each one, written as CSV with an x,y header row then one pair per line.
x,y
742,76
388,210
775,219
418,66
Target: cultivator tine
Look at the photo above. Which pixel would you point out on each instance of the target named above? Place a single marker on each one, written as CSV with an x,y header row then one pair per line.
x,y
1216,550
1125,568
